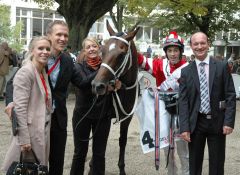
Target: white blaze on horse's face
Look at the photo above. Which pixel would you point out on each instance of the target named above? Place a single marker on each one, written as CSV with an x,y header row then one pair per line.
x,y
112,46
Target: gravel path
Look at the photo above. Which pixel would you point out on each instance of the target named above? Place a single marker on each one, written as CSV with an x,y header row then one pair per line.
x,y
137,163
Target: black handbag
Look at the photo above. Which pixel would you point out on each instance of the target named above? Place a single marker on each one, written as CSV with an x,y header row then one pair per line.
x,y
14,123
27,166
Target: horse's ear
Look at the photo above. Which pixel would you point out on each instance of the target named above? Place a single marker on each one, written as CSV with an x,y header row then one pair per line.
x,y
132,34
110,30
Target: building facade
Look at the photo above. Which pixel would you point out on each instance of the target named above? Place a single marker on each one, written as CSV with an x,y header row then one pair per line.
x,y
35,20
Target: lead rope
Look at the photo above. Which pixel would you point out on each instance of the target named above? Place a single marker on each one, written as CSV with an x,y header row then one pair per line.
x,y
118,101
157,129
99,120
85,115
127,57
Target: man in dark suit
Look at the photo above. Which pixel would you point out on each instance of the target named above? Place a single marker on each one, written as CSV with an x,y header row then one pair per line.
x,y
207,107
61,72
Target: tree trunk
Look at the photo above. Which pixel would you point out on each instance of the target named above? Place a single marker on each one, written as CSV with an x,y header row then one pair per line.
x,y
81,15
77,35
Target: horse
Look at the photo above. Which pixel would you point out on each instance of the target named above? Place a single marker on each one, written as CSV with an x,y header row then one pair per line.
x,y
119,61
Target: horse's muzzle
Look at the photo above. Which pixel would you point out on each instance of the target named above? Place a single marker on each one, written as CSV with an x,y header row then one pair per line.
x,y
99,88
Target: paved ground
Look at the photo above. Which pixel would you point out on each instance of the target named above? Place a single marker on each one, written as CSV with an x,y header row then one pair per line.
x,y
137,163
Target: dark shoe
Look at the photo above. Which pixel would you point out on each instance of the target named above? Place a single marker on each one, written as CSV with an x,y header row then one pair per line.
x,y
1,98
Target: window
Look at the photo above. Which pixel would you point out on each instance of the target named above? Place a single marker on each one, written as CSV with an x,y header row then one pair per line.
x,y
24,28
24,12
48,15
36,27
37,13
17,12
46,22
35,21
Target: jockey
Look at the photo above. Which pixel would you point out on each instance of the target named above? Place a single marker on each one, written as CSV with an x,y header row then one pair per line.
x,y
167,72
161,69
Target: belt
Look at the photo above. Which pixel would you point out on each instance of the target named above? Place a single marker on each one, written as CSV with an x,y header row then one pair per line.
x,y
206,116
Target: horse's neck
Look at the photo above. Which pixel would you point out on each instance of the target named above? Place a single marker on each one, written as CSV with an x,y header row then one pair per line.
x,y
131,75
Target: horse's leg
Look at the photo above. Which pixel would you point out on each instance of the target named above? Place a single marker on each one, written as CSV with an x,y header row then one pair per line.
x,y
122,144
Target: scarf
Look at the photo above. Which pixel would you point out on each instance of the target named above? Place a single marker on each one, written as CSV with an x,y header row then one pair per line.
x,y
94,62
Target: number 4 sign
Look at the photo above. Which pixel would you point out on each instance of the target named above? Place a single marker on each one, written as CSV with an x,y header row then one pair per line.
x,y
146,118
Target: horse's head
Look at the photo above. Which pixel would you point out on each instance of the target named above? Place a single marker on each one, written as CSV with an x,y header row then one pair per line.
x,y
116,59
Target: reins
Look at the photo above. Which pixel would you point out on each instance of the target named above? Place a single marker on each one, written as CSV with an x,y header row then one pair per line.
x,y
117,74
89,110
86,114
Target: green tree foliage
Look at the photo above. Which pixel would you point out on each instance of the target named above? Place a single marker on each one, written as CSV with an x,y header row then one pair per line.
x,y
8,33
187,16
46,4
4,23
80,16
15,41
122,17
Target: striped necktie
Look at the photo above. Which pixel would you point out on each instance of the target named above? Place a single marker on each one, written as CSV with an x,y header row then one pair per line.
x,y
205,104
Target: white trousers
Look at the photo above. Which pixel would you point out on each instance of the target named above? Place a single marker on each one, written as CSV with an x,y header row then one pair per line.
x,y
182,151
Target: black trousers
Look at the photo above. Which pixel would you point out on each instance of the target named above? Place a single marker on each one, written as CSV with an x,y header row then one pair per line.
x,y
58,138
100,130
216,148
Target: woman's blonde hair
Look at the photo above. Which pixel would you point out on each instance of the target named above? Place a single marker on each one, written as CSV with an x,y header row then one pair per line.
x,y
32,44
89,38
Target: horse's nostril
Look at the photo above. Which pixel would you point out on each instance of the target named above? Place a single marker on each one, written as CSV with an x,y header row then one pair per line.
x,y
100,88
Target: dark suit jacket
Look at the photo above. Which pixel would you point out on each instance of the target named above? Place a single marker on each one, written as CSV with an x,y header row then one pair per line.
x,y
66,75
59,92
221,88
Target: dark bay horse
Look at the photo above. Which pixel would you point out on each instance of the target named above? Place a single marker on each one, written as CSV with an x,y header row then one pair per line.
x,y
119,61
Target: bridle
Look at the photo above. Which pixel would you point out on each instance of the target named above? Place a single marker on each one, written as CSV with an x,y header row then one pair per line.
x,y
117,74
128,57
